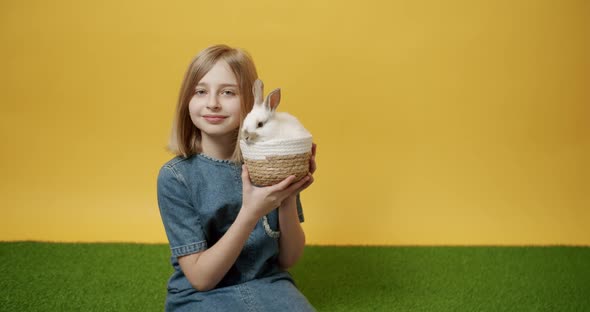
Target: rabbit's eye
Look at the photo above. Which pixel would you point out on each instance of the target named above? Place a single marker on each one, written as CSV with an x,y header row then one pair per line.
x,y
260,124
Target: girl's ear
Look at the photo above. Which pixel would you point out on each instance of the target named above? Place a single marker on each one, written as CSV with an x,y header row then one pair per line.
x,y
258,89
273,99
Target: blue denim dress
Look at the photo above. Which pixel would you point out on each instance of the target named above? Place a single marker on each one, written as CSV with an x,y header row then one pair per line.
x,y
199,198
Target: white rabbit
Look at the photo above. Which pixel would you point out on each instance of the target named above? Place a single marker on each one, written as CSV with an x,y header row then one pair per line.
x,y
263,123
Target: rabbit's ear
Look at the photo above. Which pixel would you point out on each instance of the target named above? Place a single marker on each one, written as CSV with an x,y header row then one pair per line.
x,y
273,99
258,89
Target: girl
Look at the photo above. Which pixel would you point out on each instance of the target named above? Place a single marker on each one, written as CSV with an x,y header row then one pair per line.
x,y
231,242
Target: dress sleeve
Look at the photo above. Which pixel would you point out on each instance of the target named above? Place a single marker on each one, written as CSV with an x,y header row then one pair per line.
x,y
181,220
299,209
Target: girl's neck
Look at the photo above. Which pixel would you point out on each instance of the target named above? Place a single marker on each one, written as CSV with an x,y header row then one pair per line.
x,y
221,147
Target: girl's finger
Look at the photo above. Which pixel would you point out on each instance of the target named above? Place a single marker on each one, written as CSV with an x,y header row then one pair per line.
x,y
297,185
307,184
312,165
283,184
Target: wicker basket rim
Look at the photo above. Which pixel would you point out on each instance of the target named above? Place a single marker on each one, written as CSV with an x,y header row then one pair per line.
x,y
279,141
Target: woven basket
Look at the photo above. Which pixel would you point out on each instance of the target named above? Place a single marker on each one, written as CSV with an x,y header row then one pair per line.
x,y
272,161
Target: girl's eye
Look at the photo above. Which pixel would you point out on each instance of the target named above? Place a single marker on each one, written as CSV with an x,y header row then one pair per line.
x,y
225,92
260,124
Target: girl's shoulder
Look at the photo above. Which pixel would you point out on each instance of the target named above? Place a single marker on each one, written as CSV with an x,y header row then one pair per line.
x,y
179,170
176,160
198,162
178,165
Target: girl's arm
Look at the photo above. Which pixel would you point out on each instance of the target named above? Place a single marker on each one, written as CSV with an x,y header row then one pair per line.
x,y
292,239
205,269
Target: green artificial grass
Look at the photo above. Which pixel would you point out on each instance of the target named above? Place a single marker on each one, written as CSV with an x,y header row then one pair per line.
x,y
38,276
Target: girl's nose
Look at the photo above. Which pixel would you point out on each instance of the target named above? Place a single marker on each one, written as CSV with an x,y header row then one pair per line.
x,y
213,102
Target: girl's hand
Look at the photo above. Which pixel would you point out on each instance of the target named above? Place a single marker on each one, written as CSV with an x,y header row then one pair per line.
x,y
312,169
259,201
312,165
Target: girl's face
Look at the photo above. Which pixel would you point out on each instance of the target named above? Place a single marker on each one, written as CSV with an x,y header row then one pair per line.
x,y
215,105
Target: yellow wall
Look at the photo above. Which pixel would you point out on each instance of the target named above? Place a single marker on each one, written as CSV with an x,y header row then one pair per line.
x,y
437,122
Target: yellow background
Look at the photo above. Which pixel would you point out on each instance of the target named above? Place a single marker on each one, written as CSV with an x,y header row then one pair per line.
x,y
437,122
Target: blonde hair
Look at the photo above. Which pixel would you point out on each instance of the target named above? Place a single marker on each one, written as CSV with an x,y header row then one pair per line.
x,y
185,137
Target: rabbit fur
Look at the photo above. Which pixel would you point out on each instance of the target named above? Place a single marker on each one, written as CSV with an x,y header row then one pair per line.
x,y
263,123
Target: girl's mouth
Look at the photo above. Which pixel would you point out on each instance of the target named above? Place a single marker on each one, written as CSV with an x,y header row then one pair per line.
x,y
214,120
